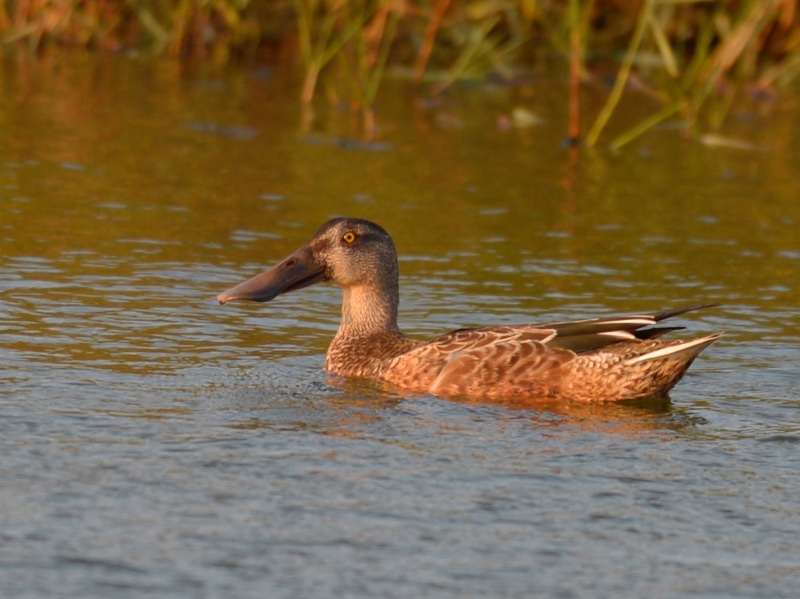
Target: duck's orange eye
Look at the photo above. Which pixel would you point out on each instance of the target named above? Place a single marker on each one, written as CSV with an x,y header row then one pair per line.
x,y
349,237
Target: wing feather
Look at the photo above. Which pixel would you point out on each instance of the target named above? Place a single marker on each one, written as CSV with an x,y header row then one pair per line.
x,y
507,369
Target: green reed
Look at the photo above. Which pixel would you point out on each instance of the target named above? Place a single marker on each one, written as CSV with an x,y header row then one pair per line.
x,y
735,48
698,58
352,38
191,28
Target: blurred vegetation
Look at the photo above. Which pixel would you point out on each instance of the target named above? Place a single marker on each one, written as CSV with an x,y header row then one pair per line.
x,y
696,57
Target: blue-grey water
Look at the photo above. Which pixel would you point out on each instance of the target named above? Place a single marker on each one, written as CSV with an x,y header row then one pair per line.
x,y
156,444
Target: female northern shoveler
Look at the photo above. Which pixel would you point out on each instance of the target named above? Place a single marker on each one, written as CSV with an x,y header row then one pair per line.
x,y
602,359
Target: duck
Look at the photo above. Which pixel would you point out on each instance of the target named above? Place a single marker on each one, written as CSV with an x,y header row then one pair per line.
x,y
593,360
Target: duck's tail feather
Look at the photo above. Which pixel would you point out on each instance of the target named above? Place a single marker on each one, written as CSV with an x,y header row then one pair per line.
x,y
659,316
684,350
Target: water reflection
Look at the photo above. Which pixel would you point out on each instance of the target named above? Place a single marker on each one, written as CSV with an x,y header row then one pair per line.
x,y
358,404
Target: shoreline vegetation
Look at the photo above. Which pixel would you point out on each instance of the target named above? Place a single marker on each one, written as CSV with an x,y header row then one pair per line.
x,y
698,59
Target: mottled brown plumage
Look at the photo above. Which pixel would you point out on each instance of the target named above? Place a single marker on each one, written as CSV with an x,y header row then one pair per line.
x,y
602,359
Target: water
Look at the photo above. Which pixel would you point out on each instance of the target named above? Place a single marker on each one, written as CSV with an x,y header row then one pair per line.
x,y
156,444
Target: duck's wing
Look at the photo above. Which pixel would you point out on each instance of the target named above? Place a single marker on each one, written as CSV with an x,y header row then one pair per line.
x,y
587,335
520,367
478,361
421,366
577,336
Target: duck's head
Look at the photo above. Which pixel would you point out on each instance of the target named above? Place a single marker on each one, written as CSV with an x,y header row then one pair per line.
x,y
351,252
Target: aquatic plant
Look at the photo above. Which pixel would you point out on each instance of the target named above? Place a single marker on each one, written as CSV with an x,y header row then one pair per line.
x,y
357,36
698,58
708,54
202,28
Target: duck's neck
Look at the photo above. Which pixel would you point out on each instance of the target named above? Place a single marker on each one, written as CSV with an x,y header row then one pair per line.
x,y
368,337
368,310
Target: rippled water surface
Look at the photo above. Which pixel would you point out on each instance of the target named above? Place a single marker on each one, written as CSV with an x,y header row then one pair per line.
x,y
157,444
